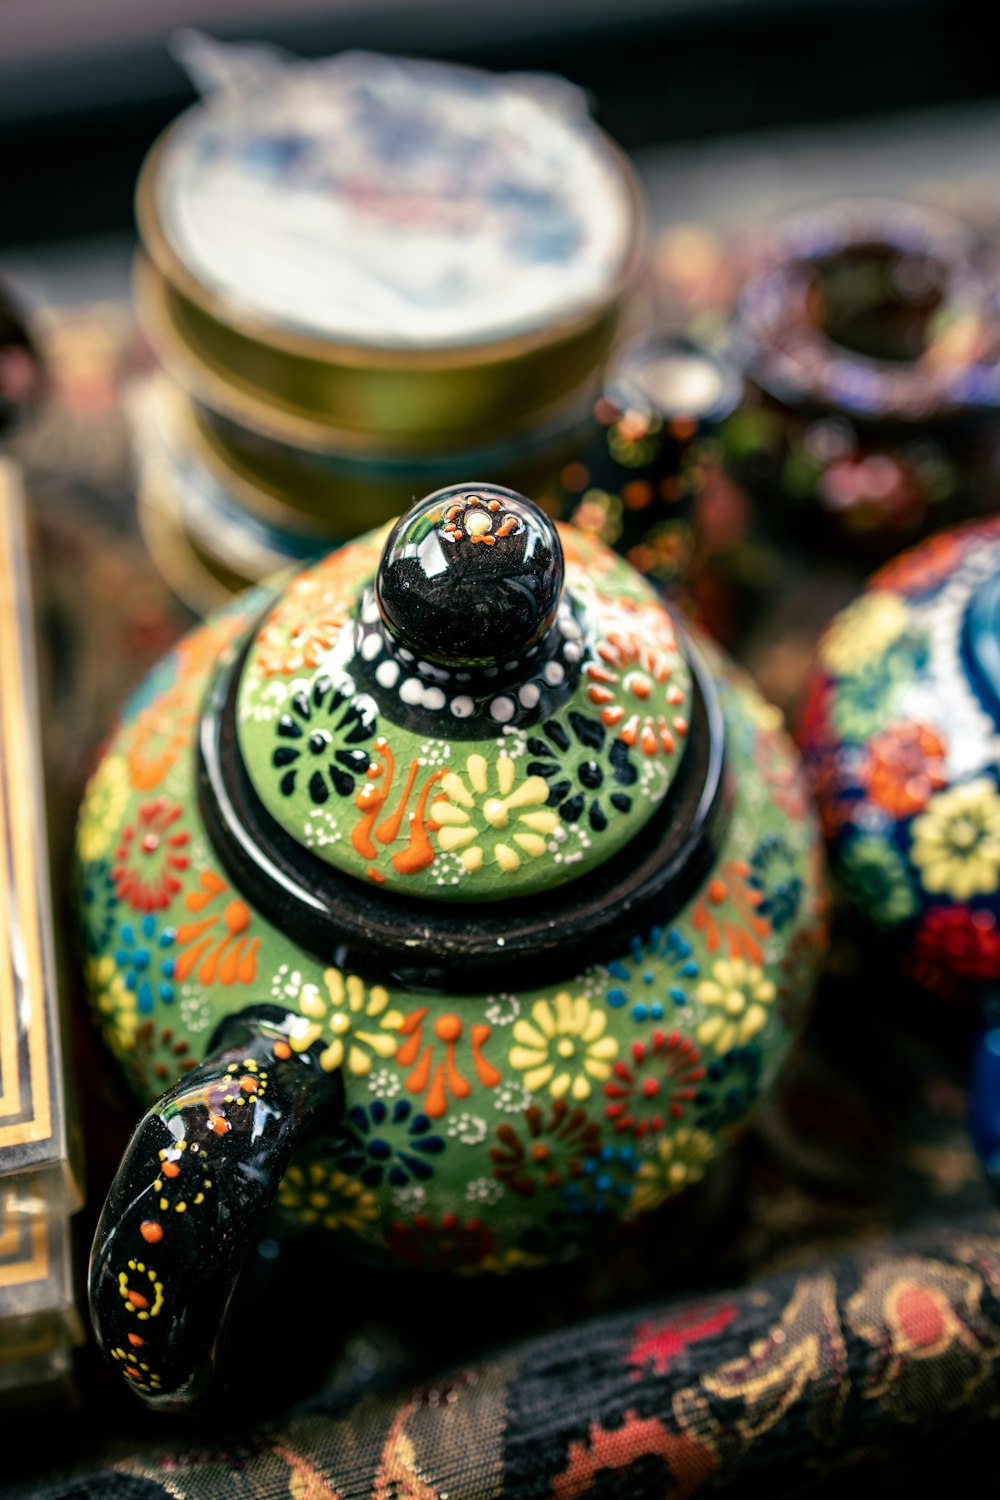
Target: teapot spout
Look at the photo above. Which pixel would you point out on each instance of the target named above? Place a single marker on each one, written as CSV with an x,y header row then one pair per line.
x,y
190,1196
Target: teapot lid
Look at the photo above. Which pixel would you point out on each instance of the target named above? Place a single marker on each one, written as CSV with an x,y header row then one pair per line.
x,y
431,711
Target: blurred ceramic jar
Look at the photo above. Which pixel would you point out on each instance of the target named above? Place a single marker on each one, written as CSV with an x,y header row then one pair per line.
x,y
902,742
870,341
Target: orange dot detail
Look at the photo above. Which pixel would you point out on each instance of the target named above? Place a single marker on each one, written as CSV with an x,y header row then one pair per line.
x,y
237,916
151,1232
448,1028
282,1049
171,1169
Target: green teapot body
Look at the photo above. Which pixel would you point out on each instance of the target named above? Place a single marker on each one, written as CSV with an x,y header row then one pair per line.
x,y
506,1096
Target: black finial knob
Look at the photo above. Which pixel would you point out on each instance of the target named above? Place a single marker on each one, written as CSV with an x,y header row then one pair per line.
x,y
470,576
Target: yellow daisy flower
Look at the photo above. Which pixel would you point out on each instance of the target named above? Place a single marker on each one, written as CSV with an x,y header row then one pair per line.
x,y
679,1160
956,841
740,993
342,1014
563,1047
103,808
509,825
865,630
314,1196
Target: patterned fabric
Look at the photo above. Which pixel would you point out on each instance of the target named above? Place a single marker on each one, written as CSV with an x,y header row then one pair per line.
x,y
823,1314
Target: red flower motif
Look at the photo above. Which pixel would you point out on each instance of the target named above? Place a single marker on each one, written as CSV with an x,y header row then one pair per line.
x,y
450,1245
905,764
630,684
150,857
660,1077
962,941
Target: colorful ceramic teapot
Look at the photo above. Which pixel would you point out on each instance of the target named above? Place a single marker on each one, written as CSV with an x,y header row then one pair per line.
x,y
462,902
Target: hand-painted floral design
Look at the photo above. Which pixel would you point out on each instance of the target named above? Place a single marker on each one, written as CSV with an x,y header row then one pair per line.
x,y
383,1143
160,732
655,1084
956,842
450,1244
733,1088
547,1149
905,764
679,1159
379,828
776,872
920,569
152,856
106,801
639,982
605,1184
865,630
594,785
739,995
145,958
565,1047
319,741
502,824
113,1001
728,913
98,905
960,941
315,1196
313,609
487,1130
218,947
866,703
360,1023
876,876
438,1077
632,686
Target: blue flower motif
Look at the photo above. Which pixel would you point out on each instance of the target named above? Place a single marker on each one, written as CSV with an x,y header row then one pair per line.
x,y
636,975
735,1080
148,968
605,1181
363,1150
774,872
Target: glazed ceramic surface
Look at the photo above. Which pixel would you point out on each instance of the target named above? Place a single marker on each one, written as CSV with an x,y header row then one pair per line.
x,y
903,743
513,1060
643,483
870,336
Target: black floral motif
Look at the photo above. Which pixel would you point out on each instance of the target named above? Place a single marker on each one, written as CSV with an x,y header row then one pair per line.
x,y
774,872
735,1080
306,742
370,1149
98,904
591,783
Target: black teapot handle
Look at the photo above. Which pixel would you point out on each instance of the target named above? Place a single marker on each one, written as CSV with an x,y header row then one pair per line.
x,y
190,1197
